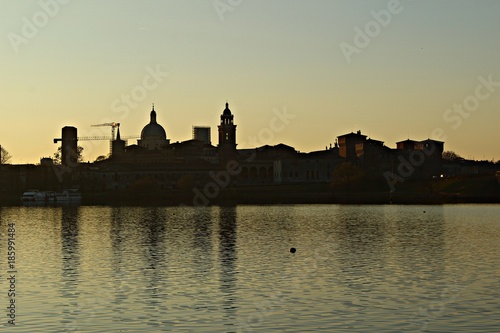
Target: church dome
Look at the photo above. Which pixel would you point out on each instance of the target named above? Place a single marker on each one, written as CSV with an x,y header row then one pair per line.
x,y
153,130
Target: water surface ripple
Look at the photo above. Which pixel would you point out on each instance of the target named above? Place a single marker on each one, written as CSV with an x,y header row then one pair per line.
x,y
229,269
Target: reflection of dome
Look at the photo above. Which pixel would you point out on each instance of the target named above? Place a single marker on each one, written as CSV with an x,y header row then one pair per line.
x,y
153,130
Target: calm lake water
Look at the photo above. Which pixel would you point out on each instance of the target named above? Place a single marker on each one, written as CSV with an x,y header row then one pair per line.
x,y
229,269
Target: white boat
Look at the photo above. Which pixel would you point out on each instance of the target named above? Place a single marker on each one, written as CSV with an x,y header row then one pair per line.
x,y
30,195
72,195
46,196
39,196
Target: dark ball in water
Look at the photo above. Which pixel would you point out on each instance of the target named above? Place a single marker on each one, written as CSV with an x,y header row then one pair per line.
x,y
293,250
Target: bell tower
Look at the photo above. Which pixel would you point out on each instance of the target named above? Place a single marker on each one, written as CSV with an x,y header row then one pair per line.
x,y
227,136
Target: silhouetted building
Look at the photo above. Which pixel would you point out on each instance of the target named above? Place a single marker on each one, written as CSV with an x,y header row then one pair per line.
x,y
153,135
118,146
227,136
69,155
406,144
347,144
422,159
155,161
313,167
202,134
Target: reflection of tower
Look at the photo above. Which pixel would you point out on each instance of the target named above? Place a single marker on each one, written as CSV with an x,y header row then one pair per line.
x,y
69,156
203,247
227,256
153,228
227,136
153,224
70,262
69,239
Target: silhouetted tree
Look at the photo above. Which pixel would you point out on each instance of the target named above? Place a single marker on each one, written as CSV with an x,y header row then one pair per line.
x,y
58,155
451,156
4,156
186,183
347,175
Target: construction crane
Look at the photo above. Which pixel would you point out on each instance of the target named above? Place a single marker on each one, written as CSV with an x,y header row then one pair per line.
x,y
113,126
91,138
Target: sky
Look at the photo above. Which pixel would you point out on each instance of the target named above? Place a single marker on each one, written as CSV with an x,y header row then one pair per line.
x,y
294,72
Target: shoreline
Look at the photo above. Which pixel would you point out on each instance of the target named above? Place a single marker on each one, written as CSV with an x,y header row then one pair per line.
x,y
475,190
269,199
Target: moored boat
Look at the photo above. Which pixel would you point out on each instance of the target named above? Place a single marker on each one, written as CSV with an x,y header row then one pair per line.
x,y
30,195
36,196
71,195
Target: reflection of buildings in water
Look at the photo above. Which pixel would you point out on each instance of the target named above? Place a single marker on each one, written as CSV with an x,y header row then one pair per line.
x,y
69,241
227,258
137,238
116,236
118,245
153,221
70,263
202,220
152,224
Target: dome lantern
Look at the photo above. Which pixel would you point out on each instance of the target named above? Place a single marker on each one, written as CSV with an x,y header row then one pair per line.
x,y
153,135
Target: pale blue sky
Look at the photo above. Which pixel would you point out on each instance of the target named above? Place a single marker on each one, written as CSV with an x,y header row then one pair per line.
x,y
263,57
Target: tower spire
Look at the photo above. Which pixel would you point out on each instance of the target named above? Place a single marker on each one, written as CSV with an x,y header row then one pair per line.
x,y
153,115
227,136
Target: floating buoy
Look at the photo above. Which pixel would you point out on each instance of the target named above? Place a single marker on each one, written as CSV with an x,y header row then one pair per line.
x,y
292,250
